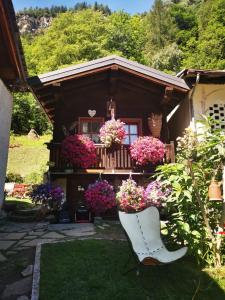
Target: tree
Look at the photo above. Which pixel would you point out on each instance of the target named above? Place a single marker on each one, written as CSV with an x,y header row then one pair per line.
x,y
73,37
168,59
126,35
208,50
161,29
27,114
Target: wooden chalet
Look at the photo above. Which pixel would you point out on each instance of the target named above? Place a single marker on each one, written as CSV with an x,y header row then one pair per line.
x,y
78,99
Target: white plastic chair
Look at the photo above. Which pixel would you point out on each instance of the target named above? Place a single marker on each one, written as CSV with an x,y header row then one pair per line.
x,y
143,230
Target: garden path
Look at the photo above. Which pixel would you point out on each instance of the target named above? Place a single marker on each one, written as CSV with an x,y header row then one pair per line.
x,y
17,247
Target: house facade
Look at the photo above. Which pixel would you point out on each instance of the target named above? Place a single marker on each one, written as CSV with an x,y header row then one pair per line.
x,y
206,97
12,77
80,98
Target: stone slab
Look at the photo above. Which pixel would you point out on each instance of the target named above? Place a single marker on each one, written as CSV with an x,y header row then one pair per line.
x,y
15,236
35,242
62,227
53,235
28,271
36,232
4,245
2,257
17,288
22,298
78,233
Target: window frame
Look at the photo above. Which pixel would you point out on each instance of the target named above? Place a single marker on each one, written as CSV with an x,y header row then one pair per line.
x,y
88,119
133,121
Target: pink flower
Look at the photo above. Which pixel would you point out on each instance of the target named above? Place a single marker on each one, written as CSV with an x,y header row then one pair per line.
x,y
100,196
79,150
112,132
147,149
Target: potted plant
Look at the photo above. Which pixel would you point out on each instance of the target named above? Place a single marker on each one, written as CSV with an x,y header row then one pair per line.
x,y
130,197
100,197
79,151
147,150
50,197
156,195
112,133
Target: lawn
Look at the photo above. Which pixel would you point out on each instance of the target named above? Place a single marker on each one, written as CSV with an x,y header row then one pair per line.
x,y
27,156
92,270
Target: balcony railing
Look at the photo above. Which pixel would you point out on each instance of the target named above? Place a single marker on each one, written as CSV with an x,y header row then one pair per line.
x,y
117,159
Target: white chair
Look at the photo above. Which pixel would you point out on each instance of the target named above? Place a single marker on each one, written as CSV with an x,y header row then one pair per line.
x,y
143,230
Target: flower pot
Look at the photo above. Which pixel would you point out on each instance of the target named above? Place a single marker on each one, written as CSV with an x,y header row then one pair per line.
x,y
155,124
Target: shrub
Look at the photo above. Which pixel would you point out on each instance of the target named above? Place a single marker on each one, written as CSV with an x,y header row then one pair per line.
x,y
14,177
192,216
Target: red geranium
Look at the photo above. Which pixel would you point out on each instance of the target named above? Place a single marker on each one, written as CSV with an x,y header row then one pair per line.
x,y
79,150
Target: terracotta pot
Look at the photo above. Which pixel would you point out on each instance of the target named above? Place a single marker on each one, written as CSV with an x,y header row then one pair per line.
x,y
155,124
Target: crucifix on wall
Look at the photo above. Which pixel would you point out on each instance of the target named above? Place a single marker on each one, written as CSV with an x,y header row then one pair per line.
x,y
111,109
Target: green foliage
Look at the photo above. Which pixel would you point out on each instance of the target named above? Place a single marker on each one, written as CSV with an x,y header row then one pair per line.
x,y
54,10
14,177
168,59
193,217
27,115
208,49
126,35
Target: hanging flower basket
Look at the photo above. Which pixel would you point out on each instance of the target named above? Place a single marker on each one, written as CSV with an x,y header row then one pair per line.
x,y
79,151
156,194
155,124
112,133
147,150
100,196
130,197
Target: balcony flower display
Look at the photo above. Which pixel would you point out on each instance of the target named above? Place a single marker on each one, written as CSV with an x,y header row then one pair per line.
x,y
147,150
51,197
100,196
156,194
79,150
131,197
112,132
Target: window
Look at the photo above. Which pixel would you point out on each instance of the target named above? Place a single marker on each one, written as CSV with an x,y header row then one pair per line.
x,y
133,128
90,127
217,112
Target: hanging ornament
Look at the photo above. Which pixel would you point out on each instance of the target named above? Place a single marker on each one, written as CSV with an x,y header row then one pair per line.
x,y
214,191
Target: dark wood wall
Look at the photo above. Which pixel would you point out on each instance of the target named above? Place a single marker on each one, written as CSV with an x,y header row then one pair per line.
x,y
134,97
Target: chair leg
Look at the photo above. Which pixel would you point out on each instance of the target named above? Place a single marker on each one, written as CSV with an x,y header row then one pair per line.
x,y
134,268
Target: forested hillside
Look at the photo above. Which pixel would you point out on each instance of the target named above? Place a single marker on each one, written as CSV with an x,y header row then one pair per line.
x,y
173,35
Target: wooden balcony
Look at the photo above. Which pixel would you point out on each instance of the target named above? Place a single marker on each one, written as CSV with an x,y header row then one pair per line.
x,y
112,161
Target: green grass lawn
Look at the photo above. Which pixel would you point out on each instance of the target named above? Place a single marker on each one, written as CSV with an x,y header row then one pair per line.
x,y
28,156
20,203
92,270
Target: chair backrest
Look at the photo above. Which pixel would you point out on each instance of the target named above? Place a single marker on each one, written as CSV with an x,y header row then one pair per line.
x,y
143,230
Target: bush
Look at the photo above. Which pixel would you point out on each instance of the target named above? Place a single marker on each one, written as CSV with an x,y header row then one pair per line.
x,y
193,218
14,177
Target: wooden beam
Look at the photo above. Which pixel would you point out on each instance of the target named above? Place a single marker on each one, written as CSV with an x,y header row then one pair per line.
x,y
168,95
134,85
